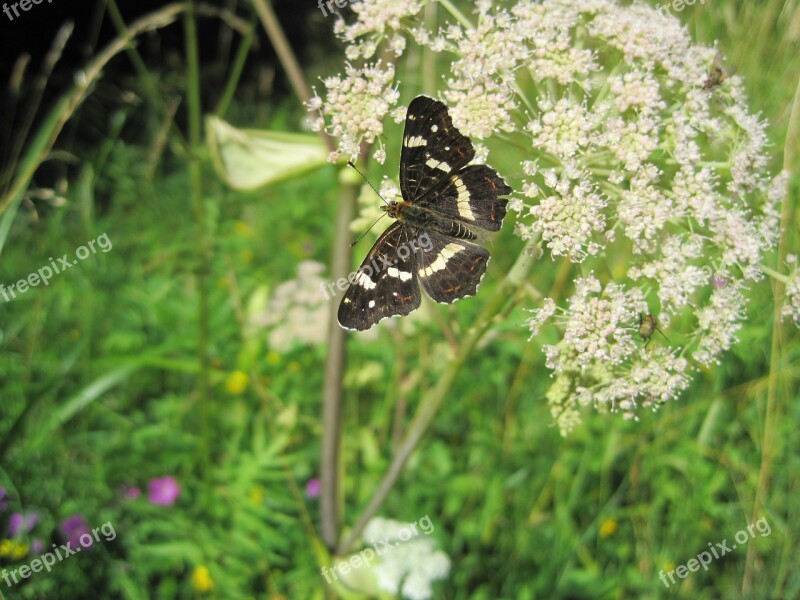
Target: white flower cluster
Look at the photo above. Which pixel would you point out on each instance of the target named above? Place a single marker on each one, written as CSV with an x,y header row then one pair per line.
x,y
791,308
355,107
633,166
599,362
410,567
296,313
374,18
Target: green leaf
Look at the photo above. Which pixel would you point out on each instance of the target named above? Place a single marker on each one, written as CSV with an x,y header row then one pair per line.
x,y
251,158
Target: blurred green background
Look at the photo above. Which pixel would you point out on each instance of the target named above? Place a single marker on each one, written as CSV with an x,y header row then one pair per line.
x,y
172,385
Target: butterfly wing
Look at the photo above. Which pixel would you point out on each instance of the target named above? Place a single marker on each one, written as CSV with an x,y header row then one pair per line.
x,y
432,149
446,197
471,196
450,269
385,285
434,174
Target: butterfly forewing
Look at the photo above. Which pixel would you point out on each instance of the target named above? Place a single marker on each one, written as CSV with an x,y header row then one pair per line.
x,y
385,285
432,149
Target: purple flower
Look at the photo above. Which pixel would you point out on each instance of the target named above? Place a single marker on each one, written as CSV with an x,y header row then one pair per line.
x,y
313,487
73,528
163,491
20,524
36,546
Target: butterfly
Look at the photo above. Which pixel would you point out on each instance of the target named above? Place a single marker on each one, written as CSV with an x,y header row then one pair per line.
x,y
448,206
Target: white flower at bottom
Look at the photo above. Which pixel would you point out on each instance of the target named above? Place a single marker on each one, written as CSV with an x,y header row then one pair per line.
x,y
406,567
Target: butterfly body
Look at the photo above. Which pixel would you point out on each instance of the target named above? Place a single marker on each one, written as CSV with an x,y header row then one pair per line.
x,y
447,203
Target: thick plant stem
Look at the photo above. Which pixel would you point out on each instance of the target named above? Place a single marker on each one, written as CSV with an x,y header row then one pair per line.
x,y
334,373
506,293
283,49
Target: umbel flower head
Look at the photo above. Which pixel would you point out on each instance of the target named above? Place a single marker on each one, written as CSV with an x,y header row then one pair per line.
x,y
409,563
637,167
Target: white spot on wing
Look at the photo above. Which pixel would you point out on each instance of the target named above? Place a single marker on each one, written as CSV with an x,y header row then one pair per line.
x,y
415,141
438,164
441,261
365,281
394,272
463,199
434,128
371,304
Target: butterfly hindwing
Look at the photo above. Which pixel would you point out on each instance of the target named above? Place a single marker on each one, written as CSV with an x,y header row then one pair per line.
x,y
451,269
432,148
471,196
385,285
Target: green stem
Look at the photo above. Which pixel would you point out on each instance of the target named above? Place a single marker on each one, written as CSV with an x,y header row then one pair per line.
x,y
784,279
506,293
35,99
460,17
284,51
335,363
149,85
236,71
63,110
772,418
204,251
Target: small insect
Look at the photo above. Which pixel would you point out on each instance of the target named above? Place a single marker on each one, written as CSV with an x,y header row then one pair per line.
x,y
648,325
717,73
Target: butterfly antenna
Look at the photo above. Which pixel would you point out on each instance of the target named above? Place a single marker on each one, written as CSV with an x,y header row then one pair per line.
x,y
364,177
367,231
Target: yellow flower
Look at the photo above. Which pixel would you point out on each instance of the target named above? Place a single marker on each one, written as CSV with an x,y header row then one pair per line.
x,y
246,256
256,495
608,528
13,549
20,551
201,579
243,228
236,383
